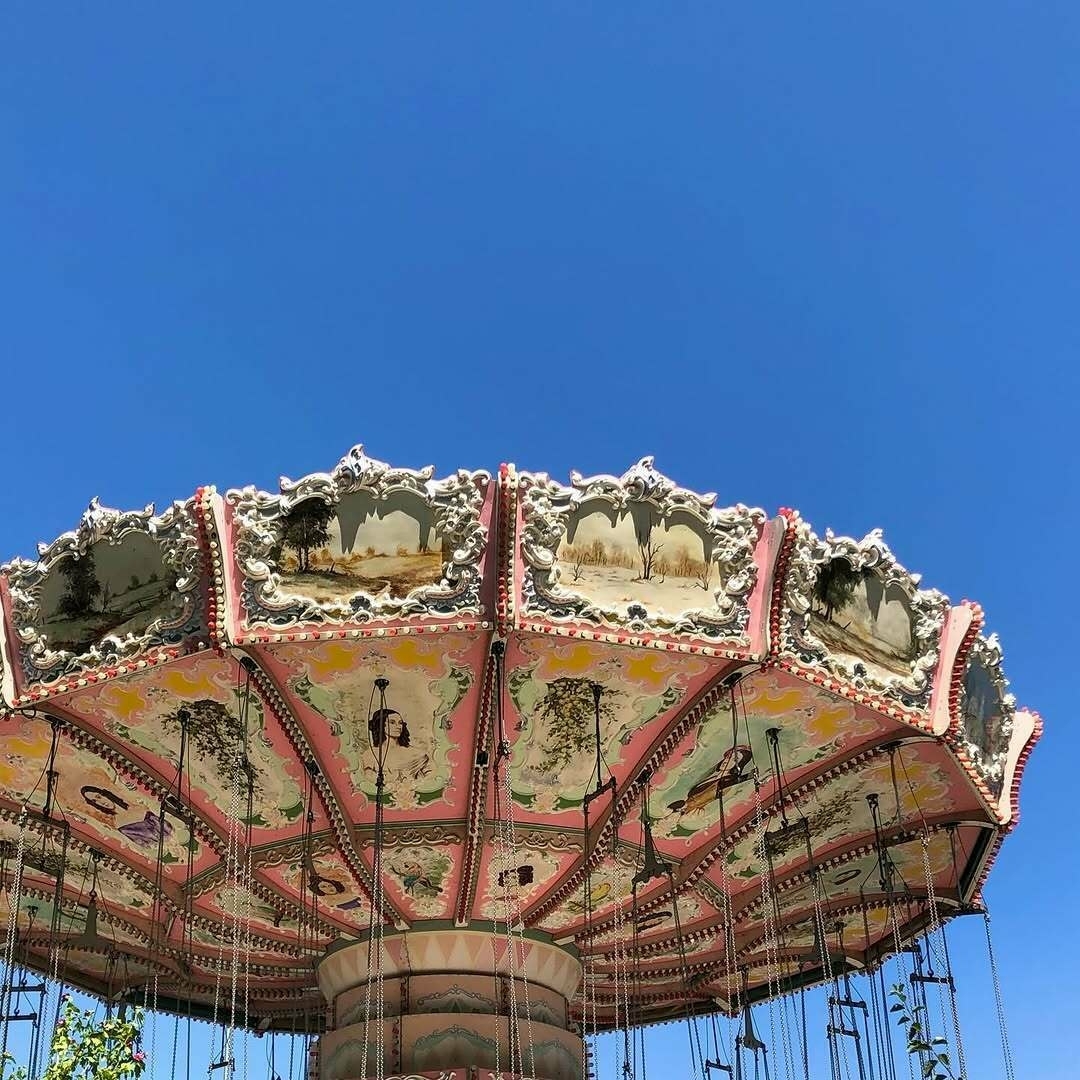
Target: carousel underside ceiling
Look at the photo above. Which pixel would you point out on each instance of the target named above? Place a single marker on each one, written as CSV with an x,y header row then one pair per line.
x,y
187,735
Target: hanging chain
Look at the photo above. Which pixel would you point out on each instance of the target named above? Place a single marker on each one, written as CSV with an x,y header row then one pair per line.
x,y
894,920
621,1055
512,836
760,842
233,877
937,923
14,899
999,1001
249,865
875,1005
772,947
821,935
506,869
729,954
55,989
378,900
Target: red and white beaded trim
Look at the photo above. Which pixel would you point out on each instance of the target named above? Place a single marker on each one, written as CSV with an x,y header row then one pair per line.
x,y
478,792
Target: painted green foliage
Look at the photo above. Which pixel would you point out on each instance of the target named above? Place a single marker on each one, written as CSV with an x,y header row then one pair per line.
x,y
84,1048
554,758
567,713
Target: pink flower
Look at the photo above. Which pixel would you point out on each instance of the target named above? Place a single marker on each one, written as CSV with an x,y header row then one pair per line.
x,y
140,1056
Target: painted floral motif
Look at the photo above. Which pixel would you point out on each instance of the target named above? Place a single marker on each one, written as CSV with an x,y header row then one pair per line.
x,y
554,693
864,873
44,860
211,943
800,935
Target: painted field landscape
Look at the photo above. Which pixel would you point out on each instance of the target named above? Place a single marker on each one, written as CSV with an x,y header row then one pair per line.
x,y
383,549
111,589
853,612
985,721
616,560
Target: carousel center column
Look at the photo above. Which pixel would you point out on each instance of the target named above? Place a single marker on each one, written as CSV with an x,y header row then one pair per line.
x,y
448,999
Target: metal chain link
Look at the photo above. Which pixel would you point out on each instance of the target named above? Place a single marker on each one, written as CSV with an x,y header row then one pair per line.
x,y
729,954
772,952
999,1002
899,966
520,926
619,1054
937,923
14,899
233,877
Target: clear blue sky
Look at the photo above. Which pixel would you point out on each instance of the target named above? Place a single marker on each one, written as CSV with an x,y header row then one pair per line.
x,y
825,256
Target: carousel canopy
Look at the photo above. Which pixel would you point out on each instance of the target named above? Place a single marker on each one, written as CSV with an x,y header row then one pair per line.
x,y
194,713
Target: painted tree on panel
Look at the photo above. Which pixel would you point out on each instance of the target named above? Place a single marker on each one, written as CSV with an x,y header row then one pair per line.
x,y
83,586
217,735
835,586
566,712
307,527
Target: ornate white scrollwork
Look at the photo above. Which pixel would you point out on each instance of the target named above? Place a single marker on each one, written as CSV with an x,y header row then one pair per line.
x,y
986,737
927,607
729,537
176,536
455,504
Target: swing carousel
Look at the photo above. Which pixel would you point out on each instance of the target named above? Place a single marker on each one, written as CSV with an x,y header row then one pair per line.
x,y
443,777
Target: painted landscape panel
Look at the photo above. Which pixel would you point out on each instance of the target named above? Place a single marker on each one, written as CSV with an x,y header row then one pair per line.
x,y
986,723
616,558
110,590
383,548
854,613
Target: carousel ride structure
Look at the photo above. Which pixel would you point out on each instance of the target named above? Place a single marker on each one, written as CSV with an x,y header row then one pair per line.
x,y
448,775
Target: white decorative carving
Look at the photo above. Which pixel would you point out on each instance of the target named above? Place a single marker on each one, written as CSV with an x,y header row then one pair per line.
x,y
729,537
810,555
176,535
456,503
988,750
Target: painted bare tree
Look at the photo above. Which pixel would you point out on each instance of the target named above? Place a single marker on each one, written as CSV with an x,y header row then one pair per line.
x,y
645,521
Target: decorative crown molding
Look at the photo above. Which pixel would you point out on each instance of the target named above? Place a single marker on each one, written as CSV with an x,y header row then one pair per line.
x,y
455,502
